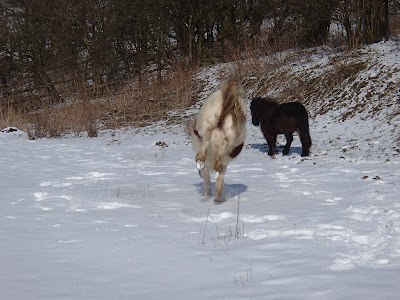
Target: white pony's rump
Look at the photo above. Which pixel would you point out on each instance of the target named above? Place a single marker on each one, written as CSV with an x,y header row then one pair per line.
x,y
218,134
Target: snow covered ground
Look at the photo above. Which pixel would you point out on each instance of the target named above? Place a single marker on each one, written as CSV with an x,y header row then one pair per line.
x,y
121,216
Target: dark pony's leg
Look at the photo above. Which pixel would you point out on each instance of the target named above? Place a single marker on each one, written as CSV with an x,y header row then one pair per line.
x,y
271,140
289,140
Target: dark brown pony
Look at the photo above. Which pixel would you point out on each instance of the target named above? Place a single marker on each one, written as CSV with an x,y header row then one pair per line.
x,y
286,118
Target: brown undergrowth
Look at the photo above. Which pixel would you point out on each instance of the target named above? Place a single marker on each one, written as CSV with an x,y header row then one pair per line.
x,y
81,114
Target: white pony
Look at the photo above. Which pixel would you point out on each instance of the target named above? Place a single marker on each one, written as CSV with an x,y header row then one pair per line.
x,y
218,134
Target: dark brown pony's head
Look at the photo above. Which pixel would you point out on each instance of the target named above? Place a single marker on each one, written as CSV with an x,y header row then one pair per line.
x,y
255,111
258,106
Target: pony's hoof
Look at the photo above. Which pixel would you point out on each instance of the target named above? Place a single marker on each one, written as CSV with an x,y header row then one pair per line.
x,y
219,199
199,165
214,174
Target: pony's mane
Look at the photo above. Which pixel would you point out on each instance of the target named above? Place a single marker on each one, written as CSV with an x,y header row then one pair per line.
x,y
231,103
260,104
266,101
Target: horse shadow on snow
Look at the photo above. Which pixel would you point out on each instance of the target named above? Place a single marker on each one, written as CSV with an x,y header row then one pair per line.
x,y
231,190
264,148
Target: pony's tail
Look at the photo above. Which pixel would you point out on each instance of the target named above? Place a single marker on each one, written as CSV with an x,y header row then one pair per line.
x,y
230,104
304,127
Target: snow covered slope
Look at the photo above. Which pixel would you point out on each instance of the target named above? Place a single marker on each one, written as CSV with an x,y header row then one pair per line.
x,y
121,216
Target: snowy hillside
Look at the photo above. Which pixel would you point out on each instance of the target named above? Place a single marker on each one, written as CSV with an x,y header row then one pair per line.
x,y
121,216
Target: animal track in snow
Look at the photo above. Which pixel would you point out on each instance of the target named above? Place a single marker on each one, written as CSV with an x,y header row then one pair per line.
x,y
259,234
196,216
334,199
372,245
115,205
61,193
54,184
40,196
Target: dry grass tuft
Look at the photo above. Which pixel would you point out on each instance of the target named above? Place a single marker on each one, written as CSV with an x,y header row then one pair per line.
x,y
9,116
74,118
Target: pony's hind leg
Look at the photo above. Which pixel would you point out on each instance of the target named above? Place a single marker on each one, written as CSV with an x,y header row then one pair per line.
x,y
289,140
219,187
219,157
205,174
305,141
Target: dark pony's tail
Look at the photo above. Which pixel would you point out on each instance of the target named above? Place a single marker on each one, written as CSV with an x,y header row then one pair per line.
x,y
230,103
303,124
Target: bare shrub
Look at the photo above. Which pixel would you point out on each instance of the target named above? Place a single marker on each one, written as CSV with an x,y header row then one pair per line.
x,y
394,25
256,56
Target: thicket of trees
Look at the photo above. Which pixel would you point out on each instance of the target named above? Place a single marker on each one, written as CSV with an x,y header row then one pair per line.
x,y
92,43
